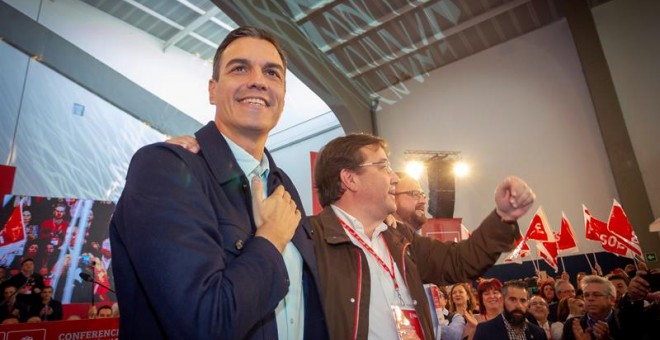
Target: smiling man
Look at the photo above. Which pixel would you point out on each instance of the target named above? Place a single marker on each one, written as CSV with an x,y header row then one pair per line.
x,y
211,245
372,274
410,202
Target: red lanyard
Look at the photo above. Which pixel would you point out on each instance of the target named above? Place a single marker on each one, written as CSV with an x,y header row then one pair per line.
x,y
371,251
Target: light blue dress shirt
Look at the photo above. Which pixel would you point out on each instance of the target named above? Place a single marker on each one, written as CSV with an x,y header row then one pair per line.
x,y
290,312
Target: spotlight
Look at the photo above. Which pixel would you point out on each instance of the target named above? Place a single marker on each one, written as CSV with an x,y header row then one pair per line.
x,y
415,169
461,169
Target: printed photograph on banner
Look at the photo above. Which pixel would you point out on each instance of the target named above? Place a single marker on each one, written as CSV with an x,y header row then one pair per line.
x,y
64,237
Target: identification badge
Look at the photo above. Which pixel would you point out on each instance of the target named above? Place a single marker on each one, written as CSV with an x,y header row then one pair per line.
x,y
407,323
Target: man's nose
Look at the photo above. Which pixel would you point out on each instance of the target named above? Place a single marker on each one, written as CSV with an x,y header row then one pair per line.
x,y
257,81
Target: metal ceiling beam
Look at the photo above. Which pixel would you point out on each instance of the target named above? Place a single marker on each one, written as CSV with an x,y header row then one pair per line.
x,y
154,13
191,6
190,28
320,8
387,59
368,28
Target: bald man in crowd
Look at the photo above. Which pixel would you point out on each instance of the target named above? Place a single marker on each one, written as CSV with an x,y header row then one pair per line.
x,y
410,202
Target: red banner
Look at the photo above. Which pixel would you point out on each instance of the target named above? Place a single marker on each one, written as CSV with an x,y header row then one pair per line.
x,y
102,329
443,229
7,174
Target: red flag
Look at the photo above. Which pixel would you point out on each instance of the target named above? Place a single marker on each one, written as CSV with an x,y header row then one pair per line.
x,y
619,226
101,276
593,227
548,251
566,238
596,230
13,231
12,236
539,228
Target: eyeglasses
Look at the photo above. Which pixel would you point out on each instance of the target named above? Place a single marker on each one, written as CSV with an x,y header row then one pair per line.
x,y
381,164
595,295
415,194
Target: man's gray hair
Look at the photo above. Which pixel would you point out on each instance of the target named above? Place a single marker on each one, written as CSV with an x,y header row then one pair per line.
x,y
598,280
558,284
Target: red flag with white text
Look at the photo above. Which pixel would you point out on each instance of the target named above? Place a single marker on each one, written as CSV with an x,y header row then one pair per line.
x,y
596,230
566,243
619,226
539,228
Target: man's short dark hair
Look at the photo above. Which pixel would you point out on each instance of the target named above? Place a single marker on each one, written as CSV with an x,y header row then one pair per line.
x,y
622,277
98,312
341,153
245,32
520,284
27,260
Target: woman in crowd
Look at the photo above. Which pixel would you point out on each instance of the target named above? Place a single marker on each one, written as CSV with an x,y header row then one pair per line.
x,y
462,303
490,299
451,324
547,291
567,308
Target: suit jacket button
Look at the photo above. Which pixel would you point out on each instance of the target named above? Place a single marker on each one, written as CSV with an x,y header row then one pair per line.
x,y
239,245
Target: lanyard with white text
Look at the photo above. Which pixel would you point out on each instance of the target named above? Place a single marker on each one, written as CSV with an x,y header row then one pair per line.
x,y
371,251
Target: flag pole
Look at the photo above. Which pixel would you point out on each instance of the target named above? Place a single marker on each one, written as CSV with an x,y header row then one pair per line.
x,y
535,263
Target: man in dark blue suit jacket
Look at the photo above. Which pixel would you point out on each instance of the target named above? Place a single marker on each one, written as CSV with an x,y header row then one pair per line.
x,y
201,250
512,321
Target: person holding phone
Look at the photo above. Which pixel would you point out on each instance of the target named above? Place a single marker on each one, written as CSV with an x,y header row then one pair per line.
x,y
639,308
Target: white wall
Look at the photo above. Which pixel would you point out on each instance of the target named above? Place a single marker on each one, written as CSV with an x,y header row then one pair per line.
x,y
520,108
523,108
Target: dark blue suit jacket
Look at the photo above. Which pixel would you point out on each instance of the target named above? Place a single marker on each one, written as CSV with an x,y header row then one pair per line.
x,y
495,329
186,262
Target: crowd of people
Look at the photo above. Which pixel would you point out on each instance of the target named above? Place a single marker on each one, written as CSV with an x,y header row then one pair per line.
x,y
619,305
27,299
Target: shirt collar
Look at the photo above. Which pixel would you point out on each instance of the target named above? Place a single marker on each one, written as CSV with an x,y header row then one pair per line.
x,y
355,223
247,163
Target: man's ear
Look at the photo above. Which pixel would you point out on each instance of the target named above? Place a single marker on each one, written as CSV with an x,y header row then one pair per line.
x,y
212,84
348,180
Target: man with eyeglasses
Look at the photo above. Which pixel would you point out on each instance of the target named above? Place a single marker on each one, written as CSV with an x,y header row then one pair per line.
x,y
563,288
599,321
538,314
372,274
410,202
